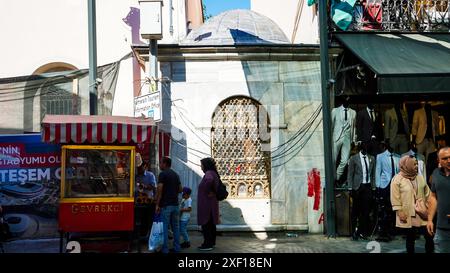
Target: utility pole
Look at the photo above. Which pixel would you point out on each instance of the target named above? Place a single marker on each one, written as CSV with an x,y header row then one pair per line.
x,y
326,113
153,61
92,58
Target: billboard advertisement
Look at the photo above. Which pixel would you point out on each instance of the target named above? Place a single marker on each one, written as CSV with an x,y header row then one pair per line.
x,y
29,184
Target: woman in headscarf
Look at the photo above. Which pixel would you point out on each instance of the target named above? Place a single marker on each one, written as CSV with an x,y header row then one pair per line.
x,y
406,187
208,206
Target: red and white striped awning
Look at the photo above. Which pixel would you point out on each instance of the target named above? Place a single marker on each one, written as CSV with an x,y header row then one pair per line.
x,y
97,129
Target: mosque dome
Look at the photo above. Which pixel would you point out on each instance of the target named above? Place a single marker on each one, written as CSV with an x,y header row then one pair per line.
x,y
237,27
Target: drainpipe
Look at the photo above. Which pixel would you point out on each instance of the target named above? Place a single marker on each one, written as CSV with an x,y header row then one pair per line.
x,y
326,113
171,17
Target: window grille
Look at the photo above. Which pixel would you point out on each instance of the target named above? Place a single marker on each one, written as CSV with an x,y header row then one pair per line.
x,y
240,137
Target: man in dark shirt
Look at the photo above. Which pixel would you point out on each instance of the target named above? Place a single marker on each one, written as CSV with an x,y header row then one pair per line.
x,y
169,186
440,202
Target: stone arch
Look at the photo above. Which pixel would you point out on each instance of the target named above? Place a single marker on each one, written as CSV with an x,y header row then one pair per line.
x,y
33,103
54,67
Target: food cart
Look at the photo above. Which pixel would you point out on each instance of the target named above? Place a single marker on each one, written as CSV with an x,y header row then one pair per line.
x,y
98,169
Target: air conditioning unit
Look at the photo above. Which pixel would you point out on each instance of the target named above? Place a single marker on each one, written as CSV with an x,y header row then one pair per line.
x,y
151,19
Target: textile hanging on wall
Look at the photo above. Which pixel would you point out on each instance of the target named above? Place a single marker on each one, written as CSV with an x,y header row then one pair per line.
x,y
342,13
26,99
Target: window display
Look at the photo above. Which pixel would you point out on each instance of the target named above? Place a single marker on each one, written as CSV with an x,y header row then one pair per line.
x,y
91,173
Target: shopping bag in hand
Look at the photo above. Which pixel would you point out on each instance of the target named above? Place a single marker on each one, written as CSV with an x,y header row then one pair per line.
x,y
155,240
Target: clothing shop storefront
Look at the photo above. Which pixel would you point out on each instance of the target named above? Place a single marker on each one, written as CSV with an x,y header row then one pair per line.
x,y
392,87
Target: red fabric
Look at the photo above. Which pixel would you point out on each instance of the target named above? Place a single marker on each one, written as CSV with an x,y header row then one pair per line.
x,y
58,133
68,132
79,132
372,15
99,132
139,134
164,144
89,132
108,132
314,187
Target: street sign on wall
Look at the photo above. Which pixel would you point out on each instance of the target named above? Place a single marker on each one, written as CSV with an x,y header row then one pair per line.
x,y
149,106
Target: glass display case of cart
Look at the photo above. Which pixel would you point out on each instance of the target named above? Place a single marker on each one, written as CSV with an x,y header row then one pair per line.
x,y
103,172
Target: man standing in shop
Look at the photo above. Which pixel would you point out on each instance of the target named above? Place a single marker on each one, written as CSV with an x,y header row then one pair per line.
x,y
145,184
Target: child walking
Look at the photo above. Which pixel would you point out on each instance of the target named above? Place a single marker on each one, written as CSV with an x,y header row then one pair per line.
x,y
185,210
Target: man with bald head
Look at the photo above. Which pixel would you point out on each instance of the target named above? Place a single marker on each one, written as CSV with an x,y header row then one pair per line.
x,y
439,202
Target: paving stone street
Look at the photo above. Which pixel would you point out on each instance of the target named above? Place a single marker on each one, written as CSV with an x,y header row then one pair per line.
x,y
248,242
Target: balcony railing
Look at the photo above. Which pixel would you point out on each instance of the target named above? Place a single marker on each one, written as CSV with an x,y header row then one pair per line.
x,y
397,15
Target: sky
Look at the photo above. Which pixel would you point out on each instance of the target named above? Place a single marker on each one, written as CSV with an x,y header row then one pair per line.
x,y
214,7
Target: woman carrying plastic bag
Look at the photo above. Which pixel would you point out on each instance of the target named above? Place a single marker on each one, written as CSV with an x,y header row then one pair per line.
x,y
155,240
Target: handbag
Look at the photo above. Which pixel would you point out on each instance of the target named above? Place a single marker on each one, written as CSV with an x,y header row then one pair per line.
x,y
421,208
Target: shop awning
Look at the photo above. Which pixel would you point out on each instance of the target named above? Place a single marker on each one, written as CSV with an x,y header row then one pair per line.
x,y
404,63
97,129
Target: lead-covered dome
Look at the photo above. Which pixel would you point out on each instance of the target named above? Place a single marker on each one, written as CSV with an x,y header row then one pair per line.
x,y
237,27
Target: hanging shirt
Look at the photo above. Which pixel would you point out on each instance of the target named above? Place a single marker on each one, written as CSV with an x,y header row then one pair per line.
x,y
429,133
384,168
365,167
371,113
400,123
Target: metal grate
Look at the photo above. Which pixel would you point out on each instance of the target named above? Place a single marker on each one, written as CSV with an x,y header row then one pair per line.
x,y
58,100
237,147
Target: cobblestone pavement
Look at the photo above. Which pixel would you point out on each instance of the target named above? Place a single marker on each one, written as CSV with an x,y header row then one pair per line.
x,y
277,242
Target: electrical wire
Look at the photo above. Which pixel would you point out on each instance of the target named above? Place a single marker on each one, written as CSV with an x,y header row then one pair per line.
x,y
185,146
190,129
301,129
301,146
300,149
300,133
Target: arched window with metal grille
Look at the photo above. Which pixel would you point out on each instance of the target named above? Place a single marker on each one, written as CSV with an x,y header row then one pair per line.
x,y
241,147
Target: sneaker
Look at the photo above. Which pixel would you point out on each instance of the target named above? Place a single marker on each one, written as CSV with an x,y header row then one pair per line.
x,y
185,245
205,248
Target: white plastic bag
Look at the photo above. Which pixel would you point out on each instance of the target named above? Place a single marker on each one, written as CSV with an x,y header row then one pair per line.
x,y
155,240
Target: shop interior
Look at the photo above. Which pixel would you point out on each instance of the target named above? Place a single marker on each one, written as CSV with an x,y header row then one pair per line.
x,y
356,88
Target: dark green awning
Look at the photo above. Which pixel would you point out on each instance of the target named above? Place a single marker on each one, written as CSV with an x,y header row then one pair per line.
x,y
404,63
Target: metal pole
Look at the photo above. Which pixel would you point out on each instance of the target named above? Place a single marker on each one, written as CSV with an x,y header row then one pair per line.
x,y
153,74
153,59
326,113
92,58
